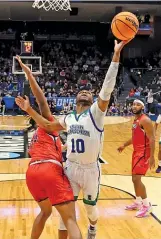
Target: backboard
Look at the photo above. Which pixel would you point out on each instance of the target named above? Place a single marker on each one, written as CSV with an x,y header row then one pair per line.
x,y
33,62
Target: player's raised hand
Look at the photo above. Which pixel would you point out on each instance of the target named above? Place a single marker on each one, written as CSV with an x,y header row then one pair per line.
x,y
119,46
24,104
121,148
23,66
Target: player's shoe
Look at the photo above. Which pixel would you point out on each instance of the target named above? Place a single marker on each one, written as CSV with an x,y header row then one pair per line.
x,y
134,206
144,211
158,170
91,234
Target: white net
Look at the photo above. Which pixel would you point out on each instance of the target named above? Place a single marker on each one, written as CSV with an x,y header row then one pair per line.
x,y
52,5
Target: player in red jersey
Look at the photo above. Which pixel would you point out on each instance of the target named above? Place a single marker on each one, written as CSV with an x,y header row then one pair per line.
x,y
143,141
45,177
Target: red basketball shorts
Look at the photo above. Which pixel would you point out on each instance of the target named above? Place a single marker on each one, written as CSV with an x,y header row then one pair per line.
x,y
140,162
47,180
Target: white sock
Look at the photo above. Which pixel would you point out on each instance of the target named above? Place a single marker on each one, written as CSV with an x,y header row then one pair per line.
x,y
146,202
139,200
159,163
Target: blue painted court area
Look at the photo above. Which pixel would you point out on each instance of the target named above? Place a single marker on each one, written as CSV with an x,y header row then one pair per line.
x,y
8,155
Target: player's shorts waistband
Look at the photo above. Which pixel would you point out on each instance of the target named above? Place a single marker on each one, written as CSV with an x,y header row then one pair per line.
x,y
46,161
90,165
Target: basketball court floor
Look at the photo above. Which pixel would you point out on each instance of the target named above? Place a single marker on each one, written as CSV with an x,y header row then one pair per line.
x,y
18,209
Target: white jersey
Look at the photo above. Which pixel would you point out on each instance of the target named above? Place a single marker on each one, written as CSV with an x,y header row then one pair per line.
x,y
84,135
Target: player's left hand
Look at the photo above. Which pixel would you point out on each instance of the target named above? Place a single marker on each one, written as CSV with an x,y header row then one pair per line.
x,y
24,104
152,162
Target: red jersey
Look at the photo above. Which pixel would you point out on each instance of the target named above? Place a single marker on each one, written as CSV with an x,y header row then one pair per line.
x,y
139,139
45,145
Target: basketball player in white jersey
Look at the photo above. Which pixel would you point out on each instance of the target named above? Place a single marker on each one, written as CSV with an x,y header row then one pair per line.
x,y
84,141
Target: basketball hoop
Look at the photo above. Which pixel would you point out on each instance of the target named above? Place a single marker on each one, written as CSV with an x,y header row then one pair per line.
x,y
52,5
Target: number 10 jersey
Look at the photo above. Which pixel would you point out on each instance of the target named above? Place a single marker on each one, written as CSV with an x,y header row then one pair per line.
x,y
84,135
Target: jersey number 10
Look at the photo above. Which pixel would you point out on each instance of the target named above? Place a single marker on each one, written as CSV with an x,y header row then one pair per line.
x,y
78,146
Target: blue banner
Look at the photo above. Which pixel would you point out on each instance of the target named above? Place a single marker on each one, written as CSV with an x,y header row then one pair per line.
x,y
60,101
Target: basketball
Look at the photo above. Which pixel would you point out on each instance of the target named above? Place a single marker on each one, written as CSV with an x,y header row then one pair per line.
x,y
125,25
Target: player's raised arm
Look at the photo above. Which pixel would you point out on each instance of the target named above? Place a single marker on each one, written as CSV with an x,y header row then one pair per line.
x,y
110,78
24,104
36,90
